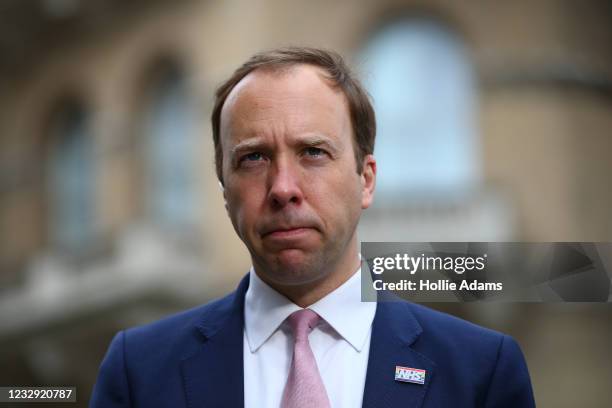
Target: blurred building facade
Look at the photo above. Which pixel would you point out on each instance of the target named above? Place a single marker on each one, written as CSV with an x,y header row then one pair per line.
x,y
494,125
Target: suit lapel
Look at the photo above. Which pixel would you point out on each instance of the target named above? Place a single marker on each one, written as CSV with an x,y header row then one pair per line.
x,y
394,330
214,375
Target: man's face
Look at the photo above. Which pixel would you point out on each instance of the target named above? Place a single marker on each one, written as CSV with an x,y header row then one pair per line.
x,y
290,178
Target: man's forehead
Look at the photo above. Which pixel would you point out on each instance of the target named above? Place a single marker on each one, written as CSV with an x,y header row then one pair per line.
x,y
298,90
296,74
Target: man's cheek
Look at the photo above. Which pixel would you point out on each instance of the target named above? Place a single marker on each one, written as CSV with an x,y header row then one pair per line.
x,y
242,222
237,218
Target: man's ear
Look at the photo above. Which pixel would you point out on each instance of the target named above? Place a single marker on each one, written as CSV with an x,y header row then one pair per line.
x,y
368,181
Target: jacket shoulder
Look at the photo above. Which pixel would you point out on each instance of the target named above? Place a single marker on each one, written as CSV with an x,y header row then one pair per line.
x,y
440,323
178,331
488,365
148,357
455,339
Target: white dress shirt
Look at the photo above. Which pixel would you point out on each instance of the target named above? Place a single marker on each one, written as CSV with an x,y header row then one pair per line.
x,y
340,343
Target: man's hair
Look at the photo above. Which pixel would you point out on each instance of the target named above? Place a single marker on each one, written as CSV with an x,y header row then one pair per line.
x,y
360,109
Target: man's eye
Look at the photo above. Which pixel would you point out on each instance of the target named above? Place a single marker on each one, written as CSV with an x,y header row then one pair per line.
x,y
314,151
252,157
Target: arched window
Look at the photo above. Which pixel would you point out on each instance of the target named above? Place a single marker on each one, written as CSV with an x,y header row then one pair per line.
x,y
422,84
70,179
170,149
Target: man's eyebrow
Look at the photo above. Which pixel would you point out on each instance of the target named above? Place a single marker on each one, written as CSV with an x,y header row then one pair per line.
x,y
260,143
317,140
252,143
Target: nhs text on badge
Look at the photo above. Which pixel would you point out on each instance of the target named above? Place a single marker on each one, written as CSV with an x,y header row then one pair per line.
x,y
411,375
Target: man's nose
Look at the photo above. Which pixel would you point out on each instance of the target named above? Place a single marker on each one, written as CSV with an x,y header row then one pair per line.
x,y
285,185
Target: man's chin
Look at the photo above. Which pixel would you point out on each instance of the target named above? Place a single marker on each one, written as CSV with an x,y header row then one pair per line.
x,y
293,267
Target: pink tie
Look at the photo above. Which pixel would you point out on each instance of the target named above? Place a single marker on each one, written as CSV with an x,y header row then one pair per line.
x,y
304,387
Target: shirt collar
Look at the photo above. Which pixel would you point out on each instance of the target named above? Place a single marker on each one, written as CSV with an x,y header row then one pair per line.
x,y
266,309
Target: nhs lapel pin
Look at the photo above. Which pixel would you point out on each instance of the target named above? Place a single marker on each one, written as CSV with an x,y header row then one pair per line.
x,y
410,375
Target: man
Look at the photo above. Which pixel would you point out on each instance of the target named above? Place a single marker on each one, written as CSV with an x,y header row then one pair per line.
x,y
294,137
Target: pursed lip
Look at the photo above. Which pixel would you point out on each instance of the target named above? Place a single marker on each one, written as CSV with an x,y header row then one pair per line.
x,y
286,232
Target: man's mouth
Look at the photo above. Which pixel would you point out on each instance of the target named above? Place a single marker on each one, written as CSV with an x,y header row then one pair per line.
x,y
287,232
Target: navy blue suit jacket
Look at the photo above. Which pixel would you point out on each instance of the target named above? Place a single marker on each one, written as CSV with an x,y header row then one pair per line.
x,y
194,359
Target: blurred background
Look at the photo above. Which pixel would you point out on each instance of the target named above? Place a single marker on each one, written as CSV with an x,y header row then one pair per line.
x,y
495,124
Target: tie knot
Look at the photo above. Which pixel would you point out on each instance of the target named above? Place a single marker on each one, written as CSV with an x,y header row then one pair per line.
x,y
302,322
